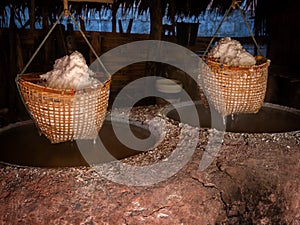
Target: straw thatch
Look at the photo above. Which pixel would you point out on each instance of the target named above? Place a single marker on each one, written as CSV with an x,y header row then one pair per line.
x,y
264,9
51,9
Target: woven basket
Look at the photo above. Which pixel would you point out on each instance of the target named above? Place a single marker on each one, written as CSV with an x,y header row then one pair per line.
x,y
64,115
233,90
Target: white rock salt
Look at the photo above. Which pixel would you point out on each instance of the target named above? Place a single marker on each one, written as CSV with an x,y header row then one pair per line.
x,y
231,52
70,72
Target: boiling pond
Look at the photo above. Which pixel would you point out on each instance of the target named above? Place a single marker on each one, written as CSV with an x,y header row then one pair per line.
x,y
270,119
22,145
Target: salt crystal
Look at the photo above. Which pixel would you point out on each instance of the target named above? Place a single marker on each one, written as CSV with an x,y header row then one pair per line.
x,y
231,52
70,72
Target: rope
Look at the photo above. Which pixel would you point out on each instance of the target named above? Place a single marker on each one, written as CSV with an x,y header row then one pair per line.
x,y
91,47
42,43
64,12
233,5
217,30
47,36
249,29
30,60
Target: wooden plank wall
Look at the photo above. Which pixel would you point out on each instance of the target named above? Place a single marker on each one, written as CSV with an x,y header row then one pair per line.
x,y
102,42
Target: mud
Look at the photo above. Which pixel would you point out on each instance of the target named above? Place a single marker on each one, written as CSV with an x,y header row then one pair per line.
x,y
253,179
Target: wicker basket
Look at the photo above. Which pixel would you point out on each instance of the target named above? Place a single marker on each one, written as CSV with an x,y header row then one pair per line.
x,y
64,115
233,90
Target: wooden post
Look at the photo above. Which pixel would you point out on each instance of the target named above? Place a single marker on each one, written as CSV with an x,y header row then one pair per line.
x,y
153,68
66,8
129,26
96,43
4,68
12,59
155,20
82,25
172,16
45,16
120,26
114,17
19,53
32,15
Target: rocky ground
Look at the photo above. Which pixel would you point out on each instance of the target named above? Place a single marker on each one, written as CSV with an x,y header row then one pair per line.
x,y
253,179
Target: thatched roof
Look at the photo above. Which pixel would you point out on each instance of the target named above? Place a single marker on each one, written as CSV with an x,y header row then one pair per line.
x,y
187,7
52,8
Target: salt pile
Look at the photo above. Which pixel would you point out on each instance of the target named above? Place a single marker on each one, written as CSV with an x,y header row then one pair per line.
x,y
231,52
70,72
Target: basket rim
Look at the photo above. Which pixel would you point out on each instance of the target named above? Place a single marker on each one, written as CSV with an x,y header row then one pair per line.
x,y
214,62
28,79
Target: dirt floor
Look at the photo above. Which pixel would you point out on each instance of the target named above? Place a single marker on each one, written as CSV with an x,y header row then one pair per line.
x,y
253,179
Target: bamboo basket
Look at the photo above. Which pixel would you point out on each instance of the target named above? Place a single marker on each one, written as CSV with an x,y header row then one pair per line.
x,y
64,115
233,90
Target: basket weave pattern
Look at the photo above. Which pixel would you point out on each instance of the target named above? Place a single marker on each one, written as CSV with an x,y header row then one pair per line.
x,y
234,90
63,115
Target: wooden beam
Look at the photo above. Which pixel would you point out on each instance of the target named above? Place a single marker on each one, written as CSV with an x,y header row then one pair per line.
x,y
100,1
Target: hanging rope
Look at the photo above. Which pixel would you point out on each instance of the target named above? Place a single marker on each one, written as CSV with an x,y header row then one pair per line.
x,y
234,5
42,43
65,12
250,31
89,44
